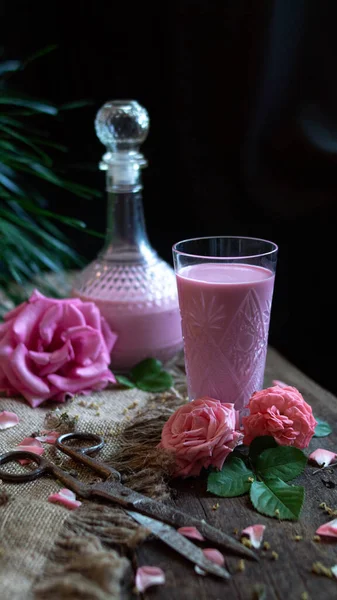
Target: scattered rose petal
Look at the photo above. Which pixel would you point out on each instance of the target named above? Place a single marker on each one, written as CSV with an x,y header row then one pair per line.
x,y
255,534
48,437
280,383
65,497
215,556
329,529
322,457
191,532
8,419
30,444
199,571
148,576
334,571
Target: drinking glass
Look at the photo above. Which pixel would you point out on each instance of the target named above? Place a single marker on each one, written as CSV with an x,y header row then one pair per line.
x,y
225,288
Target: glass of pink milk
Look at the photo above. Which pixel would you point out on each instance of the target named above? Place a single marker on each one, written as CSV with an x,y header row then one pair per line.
x,y
225,289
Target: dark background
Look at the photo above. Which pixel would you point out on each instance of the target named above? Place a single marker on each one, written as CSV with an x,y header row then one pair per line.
x,y
242,97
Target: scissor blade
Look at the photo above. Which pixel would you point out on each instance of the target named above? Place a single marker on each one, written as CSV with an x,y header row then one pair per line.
x,y
119,493
172,538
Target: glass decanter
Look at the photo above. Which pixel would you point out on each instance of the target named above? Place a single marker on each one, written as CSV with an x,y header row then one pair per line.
x,y
133,287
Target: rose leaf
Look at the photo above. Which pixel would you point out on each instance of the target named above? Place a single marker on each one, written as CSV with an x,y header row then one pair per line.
x,y
157,382
322,428
259,445
233,480
146,367
149,376
284,462
124,381
275,498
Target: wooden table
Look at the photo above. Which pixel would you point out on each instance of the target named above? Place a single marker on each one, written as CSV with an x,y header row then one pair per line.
x,y
289,577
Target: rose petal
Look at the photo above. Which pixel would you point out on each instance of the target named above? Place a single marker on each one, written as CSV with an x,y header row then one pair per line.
x,y
8,419
148,576
214,555
30,444
328,529
65,497
48,437
322,457
255,534
22,371
191,532
199,571
279,383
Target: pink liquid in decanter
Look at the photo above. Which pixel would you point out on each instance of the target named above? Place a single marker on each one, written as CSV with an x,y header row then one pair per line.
x,y
133,287
140,304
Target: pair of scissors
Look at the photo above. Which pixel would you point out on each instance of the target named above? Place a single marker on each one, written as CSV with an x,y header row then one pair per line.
x,y
161,519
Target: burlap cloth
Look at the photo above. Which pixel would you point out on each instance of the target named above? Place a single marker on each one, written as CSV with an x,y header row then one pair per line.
x,y
48,551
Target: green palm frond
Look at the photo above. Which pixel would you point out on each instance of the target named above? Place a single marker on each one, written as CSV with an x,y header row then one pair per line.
x,y
30,239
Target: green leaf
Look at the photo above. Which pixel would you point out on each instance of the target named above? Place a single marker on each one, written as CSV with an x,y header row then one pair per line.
x,y
75,104
9,66
275,498
157,382
35,105
26,141
149,366
232,480
284,462
39,53
260,444
149,376
322,428
125,381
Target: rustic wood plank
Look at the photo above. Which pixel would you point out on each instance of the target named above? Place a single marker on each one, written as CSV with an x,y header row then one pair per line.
x,y
290,576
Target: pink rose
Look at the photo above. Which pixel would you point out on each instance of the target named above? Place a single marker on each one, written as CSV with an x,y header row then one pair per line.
x,y
280,412
200,433
52,349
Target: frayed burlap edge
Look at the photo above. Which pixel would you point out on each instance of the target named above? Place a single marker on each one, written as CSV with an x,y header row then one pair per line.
x,y
144,467
86,562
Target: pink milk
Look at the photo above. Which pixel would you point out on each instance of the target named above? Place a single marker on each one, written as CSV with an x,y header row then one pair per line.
x,y
225,310
145,329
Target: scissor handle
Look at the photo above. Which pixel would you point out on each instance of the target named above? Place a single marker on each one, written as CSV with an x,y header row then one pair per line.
x,y
96,441
82,455
15,455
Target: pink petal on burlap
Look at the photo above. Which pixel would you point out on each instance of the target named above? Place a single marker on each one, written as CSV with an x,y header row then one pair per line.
x,y
322,457
30,444
148,576
48,437
280,383
65,497
329,529
215,556
191,532
255,534
8,419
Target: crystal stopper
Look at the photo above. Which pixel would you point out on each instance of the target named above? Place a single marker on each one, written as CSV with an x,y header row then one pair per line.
x,y
122,125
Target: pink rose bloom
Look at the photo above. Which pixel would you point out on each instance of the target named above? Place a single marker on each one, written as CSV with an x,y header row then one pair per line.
x,y
200,433
53,349
280,412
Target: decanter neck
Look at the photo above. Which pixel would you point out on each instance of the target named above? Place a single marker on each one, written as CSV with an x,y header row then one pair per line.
x,y
126,238
122,125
